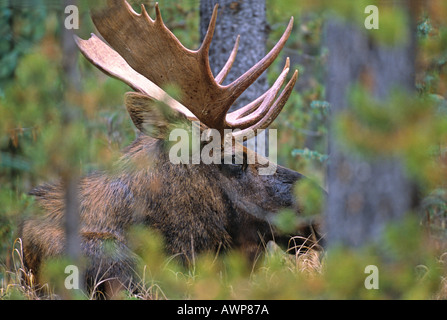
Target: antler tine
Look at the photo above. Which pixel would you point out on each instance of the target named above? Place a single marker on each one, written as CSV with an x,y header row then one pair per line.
x,y
264,107
151,49
244,81
246,110
144,12
204,48
253,106
158,17
145,54
271,115
227,67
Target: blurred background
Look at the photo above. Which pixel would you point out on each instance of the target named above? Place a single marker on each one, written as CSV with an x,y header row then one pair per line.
x,y
367,121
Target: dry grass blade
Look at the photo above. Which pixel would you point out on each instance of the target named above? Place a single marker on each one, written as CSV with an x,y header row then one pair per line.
x,y
307,255
20,283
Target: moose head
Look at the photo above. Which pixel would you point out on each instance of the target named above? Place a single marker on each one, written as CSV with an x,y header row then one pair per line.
x,y
197,207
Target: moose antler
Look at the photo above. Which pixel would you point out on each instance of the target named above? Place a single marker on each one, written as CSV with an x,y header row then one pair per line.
x,y
147,56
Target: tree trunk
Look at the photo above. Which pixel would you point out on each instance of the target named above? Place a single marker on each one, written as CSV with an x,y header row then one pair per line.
x,y
246,18
364,194
69,175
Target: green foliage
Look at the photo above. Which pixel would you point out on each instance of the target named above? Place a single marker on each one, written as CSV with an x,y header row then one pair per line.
x,y
392,18
181,18
14,207
20,28
403,125
407,269
305,114
286,221
54,273
309,154
38,144
310,197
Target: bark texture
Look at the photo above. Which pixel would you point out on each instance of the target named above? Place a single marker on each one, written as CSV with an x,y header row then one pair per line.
x,y
246,18
364,194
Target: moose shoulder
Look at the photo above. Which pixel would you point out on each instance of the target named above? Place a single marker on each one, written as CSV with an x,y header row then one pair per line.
x,y
196,207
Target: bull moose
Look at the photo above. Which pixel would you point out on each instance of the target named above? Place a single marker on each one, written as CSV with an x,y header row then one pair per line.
x,y
195,207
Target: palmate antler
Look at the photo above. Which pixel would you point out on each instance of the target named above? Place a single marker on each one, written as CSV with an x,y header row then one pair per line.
x,y
147,56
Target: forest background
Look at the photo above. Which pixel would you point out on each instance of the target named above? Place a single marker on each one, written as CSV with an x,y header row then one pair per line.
x,y
368,121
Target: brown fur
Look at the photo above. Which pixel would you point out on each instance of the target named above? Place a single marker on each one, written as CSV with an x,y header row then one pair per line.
x,y
196,207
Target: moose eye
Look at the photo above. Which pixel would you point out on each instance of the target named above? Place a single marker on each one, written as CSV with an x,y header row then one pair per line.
x,y
234,168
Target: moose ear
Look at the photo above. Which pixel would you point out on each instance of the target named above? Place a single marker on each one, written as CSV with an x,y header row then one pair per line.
x,y
151,117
